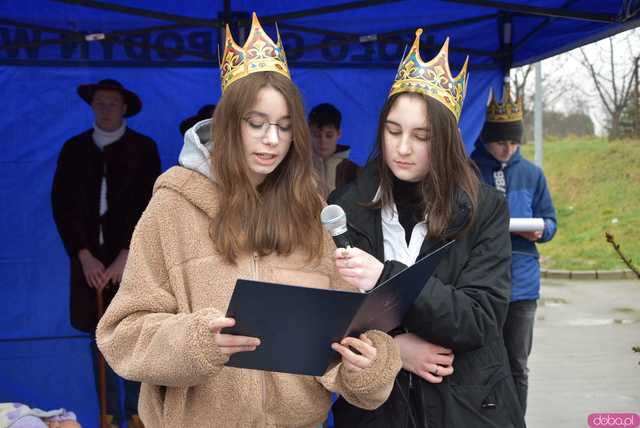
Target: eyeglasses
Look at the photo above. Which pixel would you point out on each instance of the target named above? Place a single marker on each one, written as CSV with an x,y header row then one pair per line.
x,y
259,127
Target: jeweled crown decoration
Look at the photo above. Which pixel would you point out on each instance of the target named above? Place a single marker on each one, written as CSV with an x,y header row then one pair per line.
x,y
506,111
432,78
259,53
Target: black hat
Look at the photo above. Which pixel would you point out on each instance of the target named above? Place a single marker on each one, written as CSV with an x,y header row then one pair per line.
x,y
205,112
134,105
502,131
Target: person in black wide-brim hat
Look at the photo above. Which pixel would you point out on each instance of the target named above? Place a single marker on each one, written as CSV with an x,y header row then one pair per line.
x,y
102,184
130,99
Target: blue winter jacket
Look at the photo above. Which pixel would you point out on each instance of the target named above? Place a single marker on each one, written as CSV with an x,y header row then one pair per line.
x,y
527,196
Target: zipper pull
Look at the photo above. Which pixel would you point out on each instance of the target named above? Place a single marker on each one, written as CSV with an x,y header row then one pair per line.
x,y
254,265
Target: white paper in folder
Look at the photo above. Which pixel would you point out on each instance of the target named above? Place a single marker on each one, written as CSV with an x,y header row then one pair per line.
x,y
526,225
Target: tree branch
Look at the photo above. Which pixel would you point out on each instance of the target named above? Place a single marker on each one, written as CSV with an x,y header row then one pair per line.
x,y
616,247
589,66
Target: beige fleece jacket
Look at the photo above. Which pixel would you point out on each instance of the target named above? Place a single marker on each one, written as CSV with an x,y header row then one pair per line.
x,y
155,330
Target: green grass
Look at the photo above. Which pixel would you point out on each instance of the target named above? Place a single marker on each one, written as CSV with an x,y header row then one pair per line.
x,y
592,182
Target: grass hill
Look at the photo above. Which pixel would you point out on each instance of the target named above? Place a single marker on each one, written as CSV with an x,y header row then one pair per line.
x,y
595,186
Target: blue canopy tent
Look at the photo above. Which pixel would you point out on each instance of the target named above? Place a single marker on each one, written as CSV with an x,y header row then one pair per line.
x,y
340,52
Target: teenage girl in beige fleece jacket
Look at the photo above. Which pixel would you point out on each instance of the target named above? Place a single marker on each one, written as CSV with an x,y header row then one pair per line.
x,y
248,208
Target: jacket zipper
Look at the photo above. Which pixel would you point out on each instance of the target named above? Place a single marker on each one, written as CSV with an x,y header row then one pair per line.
x,y
263,385
254,266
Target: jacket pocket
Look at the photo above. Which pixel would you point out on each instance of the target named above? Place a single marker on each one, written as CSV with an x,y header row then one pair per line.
x,y
491,404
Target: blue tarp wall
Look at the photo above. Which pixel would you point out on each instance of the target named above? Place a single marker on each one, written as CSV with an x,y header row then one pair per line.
x,y
165,51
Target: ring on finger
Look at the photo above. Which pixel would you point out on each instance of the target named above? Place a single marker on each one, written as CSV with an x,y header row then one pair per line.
x,y
436,371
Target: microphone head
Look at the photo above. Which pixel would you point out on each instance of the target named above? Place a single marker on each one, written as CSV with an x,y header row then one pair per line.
x,y
334,219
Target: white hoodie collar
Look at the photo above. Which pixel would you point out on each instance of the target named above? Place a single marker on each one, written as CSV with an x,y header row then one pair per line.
x,y
196,151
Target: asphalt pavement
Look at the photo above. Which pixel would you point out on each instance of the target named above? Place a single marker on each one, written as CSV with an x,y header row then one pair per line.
x,y
582,360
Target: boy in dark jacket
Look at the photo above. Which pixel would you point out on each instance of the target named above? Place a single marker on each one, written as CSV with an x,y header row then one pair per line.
x,y
523,184
330,159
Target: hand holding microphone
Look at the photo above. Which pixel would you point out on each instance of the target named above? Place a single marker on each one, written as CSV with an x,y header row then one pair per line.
x,y
356,267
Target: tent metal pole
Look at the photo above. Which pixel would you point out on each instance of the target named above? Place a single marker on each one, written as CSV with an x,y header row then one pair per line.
x,y
543,11
505,30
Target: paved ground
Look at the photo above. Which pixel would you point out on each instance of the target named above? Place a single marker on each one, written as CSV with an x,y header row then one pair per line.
x,y
582,361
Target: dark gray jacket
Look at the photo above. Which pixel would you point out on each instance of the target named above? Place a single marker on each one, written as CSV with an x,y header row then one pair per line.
x,y
462,307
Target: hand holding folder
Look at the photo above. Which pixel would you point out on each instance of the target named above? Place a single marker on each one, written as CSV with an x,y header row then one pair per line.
x,y
297,325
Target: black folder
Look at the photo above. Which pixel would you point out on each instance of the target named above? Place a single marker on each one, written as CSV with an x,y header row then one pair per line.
x,y
296,325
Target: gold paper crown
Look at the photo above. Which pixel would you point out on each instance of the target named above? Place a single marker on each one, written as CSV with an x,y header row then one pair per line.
x,y
507,110
259,53
433,78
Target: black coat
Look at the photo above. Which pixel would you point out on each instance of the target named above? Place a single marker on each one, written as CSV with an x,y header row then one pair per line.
x,y
463,307
131,165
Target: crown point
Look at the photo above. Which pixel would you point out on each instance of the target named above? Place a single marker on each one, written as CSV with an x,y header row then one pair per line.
x,y
463,70
445,46
490,99
416,44
506,96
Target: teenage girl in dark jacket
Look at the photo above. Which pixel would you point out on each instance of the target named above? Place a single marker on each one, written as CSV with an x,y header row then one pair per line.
x,y
418,191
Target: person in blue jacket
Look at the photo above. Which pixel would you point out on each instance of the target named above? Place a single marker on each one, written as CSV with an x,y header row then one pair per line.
x,y
524,186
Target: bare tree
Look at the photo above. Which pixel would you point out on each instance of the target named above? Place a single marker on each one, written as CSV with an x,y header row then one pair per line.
x,y
555,81
612,71
519,77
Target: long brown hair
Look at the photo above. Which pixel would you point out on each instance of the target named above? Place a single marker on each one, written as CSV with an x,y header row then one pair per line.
x,y
450,170
280,215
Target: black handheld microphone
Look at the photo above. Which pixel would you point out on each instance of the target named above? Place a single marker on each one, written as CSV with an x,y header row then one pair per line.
x,y
334,219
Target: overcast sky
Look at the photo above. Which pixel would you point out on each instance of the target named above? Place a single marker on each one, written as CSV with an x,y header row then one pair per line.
x,y
571,88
